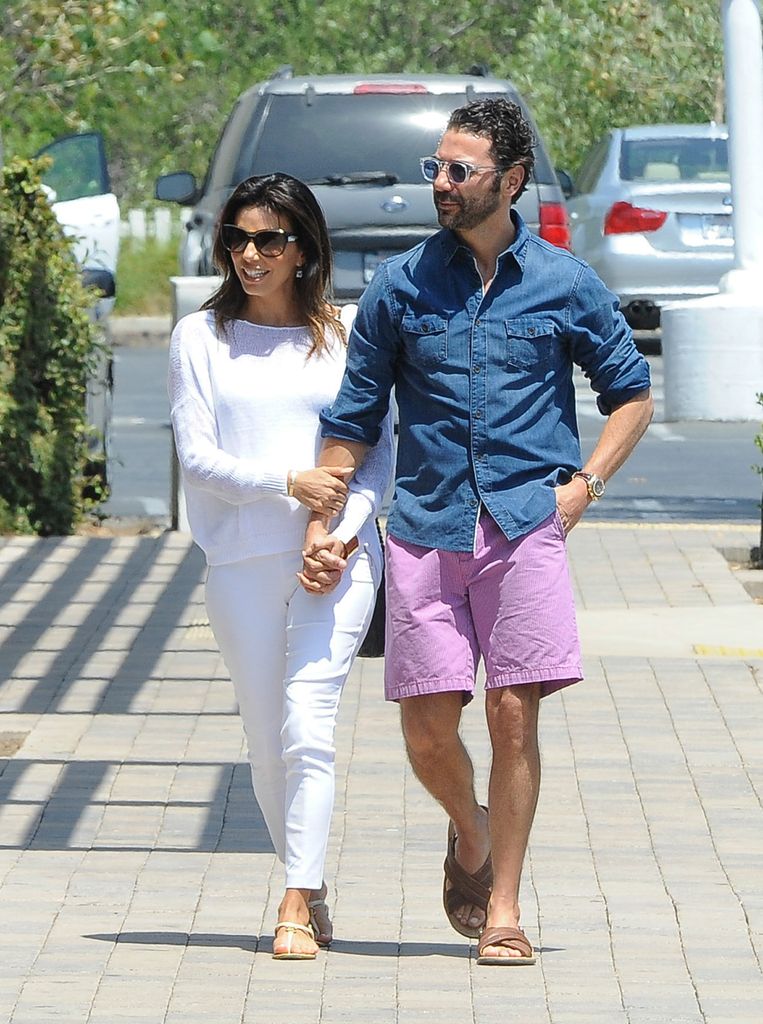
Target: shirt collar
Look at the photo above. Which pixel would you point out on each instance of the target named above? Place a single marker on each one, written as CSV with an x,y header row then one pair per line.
x,y
451,243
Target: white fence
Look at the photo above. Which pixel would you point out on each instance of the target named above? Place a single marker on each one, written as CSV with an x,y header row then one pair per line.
x,y
161,222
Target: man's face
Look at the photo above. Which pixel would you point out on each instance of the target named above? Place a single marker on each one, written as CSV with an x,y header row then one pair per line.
x,y
464,207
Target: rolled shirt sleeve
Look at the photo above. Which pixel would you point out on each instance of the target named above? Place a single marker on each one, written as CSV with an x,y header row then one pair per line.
x,y
602,343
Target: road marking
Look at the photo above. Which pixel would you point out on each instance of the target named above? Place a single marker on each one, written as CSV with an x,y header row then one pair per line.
x,y
664,432
720,651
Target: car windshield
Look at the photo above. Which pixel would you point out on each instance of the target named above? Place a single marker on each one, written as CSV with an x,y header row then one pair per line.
x,y
353,133
674,159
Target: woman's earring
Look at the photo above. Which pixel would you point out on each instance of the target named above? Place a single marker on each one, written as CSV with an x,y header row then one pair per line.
x,y
299,272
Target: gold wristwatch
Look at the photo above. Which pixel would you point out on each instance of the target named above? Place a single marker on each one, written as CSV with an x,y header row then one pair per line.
x,y
594,484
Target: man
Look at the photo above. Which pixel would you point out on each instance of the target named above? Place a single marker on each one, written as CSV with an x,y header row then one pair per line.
x,y
478,329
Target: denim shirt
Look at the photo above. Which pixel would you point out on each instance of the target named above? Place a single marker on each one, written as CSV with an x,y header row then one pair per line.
x,y
483,382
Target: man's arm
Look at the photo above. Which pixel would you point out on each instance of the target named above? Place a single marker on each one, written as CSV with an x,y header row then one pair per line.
x,y
624,428
340,454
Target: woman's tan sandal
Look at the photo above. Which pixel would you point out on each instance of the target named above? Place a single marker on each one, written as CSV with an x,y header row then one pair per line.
x,y
319,907
291,928
511,939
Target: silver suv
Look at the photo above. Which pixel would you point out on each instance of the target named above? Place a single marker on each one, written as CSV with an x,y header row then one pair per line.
x,y
357,142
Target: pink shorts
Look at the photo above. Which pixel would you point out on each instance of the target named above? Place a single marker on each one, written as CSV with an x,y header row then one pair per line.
x,y
510,602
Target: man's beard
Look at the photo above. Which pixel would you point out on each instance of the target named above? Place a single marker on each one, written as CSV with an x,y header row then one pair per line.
x,y
469,213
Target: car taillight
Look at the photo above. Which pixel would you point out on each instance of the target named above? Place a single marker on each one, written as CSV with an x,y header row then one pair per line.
x,y
555,225
390,87
624,219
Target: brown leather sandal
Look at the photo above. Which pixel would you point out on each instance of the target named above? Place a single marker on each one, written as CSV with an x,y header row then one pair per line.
x,y
510,938
462,889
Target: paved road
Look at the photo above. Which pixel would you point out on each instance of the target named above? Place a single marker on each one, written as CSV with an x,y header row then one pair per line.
x,y
137,883
680,471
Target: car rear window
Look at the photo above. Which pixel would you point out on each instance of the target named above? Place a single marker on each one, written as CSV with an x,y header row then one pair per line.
x,y
314,135
674,159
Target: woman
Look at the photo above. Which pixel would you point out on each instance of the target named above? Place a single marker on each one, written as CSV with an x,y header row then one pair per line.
x,y
249,375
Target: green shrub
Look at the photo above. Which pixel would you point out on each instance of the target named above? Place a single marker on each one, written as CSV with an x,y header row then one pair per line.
x,y
48,348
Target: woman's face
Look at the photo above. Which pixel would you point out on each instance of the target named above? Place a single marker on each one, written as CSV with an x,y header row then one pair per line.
x,y
266,279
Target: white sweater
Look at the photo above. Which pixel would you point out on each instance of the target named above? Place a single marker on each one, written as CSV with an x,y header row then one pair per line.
x,y
245,411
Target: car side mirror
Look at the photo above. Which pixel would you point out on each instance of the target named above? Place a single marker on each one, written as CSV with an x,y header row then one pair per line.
x,y
566,183
179,187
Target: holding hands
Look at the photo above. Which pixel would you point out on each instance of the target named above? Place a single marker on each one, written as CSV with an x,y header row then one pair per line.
x,y
324,559
322,490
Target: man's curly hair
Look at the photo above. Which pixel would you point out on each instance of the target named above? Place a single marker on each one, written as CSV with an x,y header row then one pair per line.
x,y
501,121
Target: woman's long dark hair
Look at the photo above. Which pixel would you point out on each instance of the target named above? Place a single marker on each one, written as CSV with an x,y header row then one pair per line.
x,y
288,196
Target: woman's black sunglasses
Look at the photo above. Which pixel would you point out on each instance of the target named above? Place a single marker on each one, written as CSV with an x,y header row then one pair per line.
x,y
270,242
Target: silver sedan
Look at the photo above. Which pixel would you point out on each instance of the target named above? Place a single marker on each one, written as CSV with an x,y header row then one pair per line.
x,y
651,212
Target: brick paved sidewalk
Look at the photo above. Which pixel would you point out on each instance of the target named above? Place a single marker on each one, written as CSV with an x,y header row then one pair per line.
x,y
137,881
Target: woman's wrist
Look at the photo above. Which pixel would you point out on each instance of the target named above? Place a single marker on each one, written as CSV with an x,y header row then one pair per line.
x,y
291,479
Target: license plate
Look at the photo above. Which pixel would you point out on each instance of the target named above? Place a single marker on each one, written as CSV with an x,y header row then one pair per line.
x,y
716,227
371,261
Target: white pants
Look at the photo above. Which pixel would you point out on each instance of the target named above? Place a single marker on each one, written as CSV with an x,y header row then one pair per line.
x,y
288,654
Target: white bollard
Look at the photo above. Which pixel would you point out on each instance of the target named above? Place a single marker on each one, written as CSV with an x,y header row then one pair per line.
x,y
713,358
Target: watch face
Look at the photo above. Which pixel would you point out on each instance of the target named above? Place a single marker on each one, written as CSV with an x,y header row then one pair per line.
x,y
597,486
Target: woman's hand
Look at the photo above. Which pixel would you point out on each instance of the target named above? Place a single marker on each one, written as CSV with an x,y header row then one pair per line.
x,y
571,501
323,561
322,490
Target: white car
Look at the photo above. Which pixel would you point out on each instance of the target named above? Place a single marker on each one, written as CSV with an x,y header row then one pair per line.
x,y
78,186
651,212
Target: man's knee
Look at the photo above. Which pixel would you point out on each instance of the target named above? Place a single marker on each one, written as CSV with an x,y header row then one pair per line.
x,y
429,721
512,716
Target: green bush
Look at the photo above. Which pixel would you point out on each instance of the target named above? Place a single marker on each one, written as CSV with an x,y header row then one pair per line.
x,y
48,349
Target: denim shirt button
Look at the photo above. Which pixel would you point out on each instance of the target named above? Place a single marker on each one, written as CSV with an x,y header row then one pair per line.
x,y
476,369
478,414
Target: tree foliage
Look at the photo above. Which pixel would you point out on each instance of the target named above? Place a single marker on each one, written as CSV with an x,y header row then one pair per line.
x,y
158,77
48,349
587,66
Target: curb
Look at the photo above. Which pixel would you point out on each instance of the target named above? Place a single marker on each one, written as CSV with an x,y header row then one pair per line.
x,y
140,331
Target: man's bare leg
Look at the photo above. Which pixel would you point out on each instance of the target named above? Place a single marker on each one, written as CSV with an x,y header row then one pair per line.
x,y
442,765
512,718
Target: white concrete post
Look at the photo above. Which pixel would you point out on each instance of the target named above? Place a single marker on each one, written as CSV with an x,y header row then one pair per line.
x,y
713,347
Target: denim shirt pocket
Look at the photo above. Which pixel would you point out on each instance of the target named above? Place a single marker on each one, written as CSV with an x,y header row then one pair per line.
x,y
532,343
426,338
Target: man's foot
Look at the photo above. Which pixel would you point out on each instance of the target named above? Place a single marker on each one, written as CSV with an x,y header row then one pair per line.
x,y
504,947
320,921
468,879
